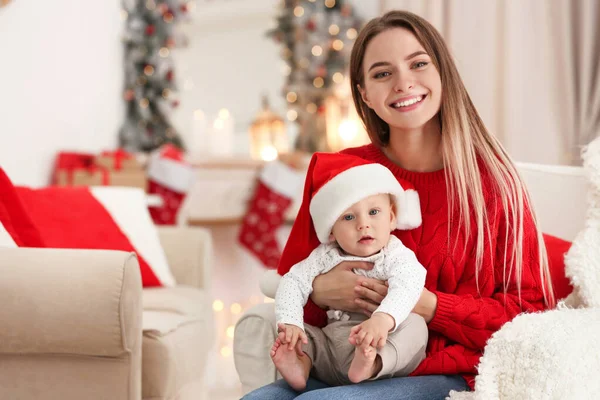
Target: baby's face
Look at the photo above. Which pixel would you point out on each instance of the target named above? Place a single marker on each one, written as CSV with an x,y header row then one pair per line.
x,y
364,228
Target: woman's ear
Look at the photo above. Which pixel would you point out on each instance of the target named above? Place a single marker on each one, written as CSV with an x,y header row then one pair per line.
x,y
363,95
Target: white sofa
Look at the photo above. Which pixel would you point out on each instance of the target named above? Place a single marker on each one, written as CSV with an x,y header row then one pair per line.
x,y
559,196
76,324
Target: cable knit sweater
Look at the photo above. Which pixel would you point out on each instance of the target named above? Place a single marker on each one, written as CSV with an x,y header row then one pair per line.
x,y
465,318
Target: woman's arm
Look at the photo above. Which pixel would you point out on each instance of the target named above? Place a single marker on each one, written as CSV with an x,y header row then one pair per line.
x,y
470,319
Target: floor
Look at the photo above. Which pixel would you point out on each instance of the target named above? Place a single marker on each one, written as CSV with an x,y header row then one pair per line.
x,y
235,278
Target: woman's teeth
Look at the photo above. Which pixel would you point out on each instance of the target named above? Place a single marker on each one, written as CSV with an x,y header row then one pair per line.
x,y
408,102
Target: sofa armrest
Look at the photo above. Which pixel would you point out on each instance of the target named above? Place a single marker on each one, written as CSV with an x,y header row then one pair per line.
x,y
58,301
549,355
189,254
255,333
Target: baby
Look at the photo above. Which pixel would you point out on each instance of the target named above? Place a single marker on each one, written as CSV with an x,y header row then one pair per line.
x,y
354,205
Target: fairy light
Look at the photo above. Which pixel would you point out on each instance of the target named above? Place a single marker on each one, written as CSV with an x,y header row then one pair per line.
x,y
166,93
151,5
286,70
329,3
149,70
225,351
338,44
292,115
236,308
318,82
299,11
218,305
338,77
124,15
230,331
351,33
317,50
291,97
334,29
164,52
144,103
311,108
268,153
304,63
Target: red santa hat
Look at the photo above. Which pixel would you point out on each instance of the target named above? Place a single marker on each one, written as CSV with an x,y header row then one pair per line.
x,y
339,180
334,182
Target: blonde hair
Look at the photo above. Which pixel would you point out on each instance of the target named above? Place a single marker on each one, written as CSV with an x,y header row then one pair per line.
x,y
465,141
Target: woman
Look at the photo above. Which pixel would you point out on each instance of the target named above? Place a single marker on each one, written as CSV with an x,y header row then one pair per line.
x,y
479,240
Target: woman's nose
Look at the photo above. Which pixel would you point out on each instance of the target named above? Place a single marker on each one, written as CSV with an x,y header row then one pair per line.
x,y
403,83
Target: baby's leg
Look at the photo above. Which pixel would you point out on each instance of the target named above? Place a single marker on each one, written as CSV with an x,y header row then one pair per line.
x,y
293,367
404,349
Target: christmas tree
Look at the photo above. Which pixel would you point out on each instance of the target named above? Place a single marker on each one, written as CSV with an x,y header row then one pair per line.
x,y
317,37
150,35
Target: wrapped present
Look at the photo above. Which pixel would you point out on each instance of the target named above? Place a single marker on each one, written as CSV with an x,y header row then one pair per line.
x,y
81,169
118,160
170,177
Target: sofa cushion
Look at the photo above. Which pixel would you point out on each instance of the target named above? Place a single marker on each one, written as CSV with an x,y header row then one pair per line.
x,y
556,249
175,340
182,300
111,218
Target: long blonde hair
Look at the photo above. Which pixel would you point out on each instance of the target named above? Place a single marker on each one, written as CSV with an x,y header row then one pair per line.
x,y
465,140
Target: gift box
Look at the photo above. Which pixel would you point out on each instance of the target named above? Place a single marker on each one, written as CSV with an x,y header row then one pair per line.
x,y
118,160
82,169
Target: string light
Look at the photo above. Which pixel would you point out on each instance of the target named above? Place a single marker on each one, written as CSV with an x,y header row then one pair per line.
x,y
291,97
304,63
334,29
149,70
311,108
150,5
166,93
286,70
318,82
230,331
317,50
218,305
144,103
225,351
338,44
351,33
124,15
338,77
236,308
299,11
164,52
168,17
292,115
329,3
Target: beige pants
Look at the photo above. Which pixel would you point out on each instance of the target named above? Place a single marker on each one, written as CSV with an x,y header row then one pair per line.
x,y
332,354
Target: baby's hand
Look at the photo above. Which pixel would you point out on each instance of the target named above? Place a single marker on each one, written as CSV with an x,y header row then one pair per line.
x,y
293,336
372,332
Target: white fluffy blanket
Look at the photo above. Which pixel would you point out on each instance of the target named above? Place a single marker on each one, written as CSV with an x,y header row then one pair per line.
x,y
555,354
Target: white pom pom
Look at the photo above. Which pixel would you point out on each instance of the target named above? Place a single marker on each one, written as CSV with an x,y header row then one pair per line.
x,y
269,282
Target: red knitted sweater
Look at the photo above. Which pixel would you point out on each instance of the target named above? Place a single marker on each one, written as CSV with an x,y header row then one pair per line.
x,y
464,319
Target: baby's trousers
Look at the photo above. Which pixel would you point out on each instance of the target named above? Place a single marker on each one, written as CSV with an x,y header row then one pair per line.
x,y
331,352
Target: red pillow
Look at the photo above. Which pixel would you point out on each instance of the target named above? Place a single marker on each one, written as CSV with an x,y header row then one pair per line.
x,y
72,218
14,218
557,248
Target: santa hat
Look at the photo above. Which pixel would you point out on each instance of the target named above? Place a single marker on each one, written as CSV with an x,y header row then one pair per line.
x,y
334,182
339,180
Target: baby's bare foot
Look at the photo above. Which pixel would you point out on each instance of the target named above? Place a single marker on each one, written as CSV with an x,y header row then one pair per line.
x,y
363,364
293,367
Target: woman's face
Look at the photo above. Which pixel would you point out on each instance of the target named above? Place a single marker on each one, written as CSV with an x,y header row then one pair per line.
x,y
401,84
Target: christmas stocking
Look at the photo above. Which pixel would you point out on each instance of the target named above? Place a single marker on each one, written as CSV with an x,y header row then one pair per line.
x,y
276,188
171,178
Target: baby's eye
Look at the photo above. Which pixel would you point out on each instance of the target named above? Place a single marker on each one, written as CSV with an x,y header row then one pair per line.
x,y
348,217
374,212
381,75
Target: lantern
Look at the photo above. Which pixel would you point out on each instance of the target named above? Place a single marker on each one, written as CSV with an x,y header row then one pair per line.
x,y
268,136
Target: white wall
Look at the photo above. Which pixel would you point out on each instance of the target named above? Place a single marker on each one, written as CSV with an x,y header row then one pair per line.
x,y
60,82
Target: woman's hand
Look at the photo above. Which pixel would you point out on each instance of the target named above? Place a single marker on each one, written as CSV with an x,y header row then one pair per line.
x,y
342,289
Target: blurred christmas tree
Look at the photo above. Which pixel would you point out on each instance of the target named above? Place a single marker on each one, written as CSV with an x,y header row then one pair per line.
x,y
317,37
150,35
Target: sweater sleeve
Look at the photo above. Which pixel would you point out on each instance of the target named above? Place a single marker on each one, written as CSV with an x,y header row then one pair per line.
x,y
295,287
469,318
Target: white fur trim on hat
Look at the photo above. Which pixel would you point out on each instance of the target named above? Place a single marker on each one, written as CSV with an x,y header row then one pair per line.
x,y
409,210
351,186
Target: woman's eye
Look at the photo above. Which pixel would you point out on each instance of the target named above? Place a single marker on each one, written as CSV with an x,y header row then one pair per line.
x,y
374,212
348,217
381,75
420,64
